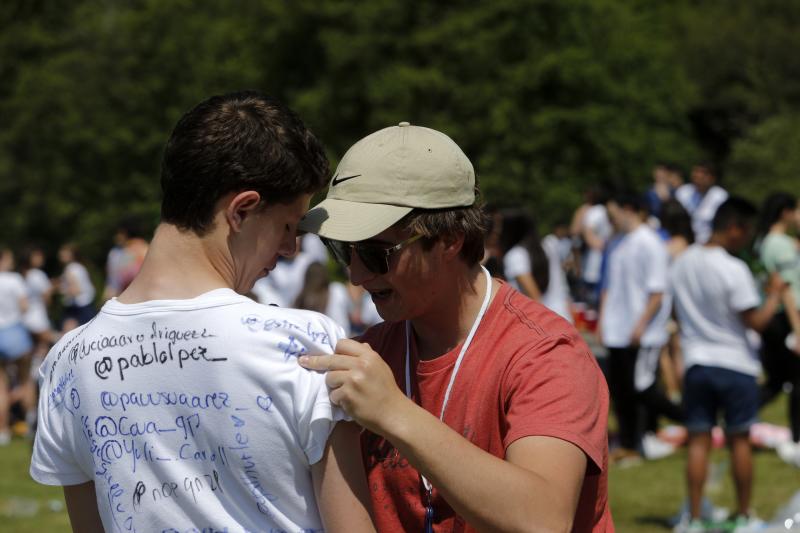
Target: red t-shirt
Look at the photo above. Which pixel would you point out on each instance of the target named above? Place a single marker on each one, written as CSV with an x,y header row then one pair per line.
x,y
527,372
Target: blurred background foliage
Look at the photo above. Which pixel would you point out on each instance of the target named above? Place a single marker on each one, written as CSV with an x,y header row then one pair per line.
x,y
546,97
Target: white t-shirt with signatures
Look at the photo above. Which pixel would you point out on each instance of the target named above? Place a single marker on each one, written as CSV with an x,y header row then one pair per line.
x,y
189,415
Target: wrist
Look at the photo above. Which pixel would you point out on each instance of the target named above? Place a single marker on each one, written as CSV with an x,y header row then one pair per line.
x,y
398,425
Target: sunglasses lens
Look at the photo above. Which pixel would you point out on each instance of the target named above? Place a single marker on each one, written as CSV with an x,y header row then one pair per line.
x,y
339,250
373,257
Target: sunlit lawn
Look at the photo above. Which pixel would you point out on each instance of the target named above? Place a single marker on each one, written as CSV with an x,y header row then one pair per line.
x,y
642,497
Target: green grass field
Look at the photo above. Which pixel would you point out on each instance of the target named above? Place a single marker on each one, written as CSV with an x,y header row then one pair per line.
x,y
642,497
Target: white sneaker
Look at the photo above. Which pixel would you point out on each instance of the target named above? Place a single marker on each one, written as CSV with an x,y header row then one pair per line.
x,y
689,526
789,452
749,524
655,448
5,438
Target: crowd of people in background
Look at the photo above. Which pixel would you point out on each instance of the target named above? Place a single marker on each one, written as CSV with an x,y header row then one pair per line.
x,y
654,279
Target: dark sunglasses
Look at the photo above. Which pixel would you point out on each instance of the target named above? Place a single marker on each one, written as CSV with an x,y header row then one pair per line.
x,y
374,256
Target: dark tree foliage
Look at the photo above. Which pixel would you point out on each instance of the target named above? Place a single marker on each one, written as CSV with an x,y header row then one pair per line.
x,y
546,97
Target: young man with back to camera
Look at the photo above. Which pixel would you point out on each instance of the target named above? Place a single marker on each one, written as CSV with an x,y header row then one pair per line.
x,y
716,300
180,405
485,410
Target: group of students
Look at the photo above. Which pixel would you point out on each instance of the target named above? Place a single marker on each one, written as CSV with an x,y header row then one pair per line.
x,y
672,288
185,404
676,302
26,331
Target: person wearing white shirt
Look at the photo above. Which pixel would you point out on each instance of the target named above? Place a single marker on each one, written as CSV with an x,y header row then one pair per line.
x,y
181,406
533,267
525,265
328,297
701,198
15,341
76,289
592,227
633,317
716,300
39,291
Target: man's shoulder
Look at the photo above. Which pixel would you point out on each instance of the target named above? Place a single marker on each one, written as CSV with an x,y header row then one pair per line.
x,y
712,262
300,324
646,240
778,244
521,323
12,279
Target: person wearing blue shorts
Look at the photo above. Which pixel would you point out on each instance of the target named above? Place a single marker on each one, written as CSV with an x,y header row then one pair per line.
x,y
716,300
710,391
15,342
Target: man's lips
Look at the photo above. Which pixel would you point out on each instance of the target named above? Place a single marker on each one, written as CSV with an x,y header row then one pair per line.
x,y
270,268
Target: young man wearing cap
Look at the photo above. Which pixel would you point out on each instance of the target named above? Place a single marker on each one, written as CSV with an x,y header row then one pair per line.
x,y
485,411
179,406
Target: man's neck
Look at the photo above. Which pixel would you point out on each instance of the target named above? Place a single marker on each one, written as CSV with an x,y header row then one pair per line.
x,y
718,240
179,265
778,227
633,224
448,322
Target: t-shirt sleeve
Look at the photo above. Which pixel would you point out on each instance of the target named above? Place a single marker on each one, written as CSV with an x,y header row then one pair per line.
x,y
315,415
556,389
53,461
743,294
18,287
781,256
516,262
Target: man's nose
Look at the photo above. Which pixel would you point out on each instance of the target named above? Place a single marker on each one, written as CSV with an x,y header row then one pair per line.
x,y
358,272
289,245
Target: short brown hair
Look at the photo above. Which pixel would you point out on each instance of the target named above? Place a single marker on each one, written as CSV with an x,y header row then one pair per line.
x,y
235,142
433,224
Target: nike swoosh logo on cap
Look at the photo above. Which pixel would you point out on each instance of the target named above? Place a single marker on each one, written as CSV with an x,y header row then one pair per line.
x,y
337,180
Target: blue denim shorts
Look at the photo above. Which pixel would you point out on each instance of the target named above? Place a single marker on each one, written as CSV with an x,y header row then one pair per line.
x,y
707,390
15,341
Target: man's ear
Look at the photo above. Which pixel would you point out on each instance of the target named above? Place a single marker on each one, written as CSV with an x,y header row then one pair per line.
x,y
452,244
239,207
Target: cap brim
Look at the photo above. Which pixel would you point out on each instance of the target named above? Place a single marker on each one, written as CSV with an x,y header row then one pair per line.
x,y
351,221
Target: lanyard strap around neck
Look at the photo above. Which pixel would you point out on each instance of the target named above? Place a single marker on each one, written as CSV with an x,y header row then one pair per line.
x,y
464,347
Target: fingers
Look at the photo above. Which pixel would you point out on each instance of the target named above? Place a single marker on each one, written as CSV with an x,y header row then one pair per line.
x,y
351,347
345,358
325,363
336,379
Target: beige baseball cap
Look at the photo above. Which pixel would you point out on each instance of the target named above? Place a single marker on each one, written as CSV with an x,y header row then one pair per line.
x,y
385,175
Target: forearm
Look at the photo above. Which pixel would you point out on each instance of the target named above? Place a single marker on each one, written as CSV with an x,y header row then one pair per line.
x,y
650,310
529,287
792,313
593,241
491,494
761,317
